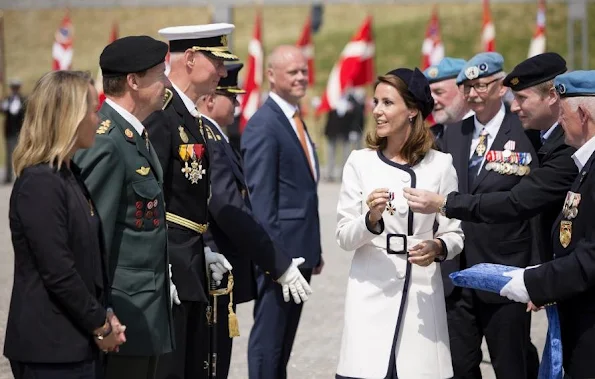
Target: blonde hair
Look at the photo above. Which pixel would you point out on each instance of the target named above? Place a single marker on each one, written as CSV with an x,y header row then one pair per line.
x,y
420,139
54,110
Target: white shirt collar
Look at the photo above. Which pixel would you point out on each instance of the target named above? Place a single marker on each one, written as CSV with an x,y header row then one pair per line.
x,y
493,125
469,114
582,155
549,132
217,126
132,120
288,109
187,102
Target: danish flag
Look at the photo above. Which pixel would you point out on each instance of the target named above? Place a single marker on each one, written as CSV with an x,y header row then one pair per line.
x,y
253,80
488,31
539,41
432,49
355,67
62,50
305,43
99,81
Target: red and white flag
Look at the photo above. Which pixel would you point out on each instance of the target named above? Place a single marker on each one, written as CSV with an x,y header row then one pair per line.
x,y
253,80
99,81
62,50
307,46
355,67
432,49
538,42
488,31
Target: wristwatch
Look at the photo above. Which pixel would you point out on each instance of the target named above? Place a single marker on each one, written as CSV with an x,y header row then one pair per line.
x,y
442,208
105,331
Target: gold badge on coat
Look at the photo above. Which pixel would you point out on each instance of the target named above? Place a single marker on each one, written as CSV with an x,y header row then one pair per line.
x,y
144,171
183,135
565,233
128,133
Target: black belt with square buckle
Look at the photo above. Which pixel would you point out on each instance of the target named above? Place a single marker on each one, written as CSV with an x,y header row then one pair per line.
x,y
397,252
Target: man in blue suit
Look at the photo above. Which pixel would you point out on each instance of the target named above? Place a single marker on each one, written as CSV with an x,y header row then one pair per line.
x,y
281,170
233,230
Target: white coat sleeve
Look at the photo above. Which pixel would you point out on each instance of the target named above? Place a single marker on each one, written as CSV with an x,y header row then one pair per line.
x,y
352,231
449,230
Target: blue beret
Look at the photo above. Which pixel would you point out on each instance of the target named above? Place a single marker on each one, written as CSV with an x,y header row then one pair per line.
x,y
448,68
575,83
481,65
131,54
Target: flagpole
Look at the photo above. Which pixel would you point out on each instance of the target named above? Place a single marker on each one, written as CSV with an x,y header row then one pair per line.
x,y
2,58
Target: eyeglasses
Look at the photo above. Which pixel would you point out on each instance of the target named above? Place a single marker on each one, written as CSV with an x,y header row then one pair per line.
x,y
479,87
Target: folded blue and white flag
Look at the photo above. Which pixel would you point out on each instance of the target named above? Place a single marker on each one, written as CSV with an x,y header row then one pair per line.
x,y
490,277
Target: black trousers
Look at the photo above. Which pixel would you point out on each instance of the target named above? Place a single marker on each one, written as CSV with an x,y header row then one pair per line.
x,y
190,358
506,328
224,343
130,367
76,370
274,329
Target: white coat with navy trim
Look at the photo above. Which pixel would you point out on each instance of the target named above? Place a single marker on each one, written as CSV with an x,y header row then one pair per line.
x,y
376,279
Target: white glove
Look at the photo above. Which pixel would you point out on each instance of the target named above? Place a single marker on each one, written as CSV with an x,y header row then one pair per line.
x,y
173,291
515,289
217,264
293,281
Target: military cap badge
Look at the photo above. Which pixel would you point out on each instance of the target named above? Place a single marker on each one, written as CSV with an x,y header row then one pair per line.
x,y
514,81
472,72
433,72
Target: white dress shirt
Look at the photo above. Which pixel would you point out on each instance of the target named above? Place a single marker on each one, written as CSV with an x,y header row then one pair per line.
x,y
190,105
289,110
549,131
217,126
582,155
132,120
491,127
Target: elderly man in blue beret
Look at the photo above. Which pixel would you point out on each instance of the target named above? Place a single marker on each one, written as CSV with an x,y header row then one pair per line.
x,y
569,280
450,106
484,148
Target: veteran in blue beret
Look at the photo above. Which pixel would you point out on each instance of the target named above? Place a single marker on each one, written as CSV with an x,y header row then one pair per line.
x,y
124,178
568,280
450,106
482,148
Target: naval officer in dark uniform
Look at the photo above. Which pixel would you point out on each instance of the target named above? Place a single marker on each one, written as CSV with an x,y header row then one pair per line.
x,y
180,141
233,230
450,106
125,181
541,192
569,279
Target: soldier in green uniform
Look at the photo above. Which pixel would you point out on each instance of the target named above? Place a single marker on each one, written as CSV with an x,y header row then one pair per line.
x,y
125,180
197,60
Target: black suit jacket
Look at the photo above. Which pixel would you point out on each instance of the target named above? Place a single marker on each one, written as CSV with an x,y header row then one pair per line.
x,y
233,230
539,194
569,279
58,295
13,123
507,243
168,130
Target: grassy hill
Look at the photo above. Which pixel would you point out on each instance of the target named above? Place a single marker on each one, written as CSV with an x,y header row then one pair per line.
x,y
398,29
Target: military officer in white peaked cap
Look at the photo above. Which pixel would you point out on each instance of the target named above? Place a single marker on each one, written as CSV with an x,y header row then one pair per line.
x,y
197,56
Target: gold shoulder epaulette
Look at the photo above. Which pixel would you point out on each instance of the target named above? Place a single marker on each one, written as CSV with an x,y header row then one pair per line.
x,y
167,98
104,127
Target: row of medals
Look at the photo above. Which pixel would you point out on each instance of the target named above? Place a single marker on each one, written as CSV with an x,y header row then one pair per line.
x,y
569,211
507,162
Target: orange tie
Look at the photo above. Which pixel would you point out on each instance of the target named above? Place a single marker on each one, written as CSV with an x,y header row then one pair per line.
x,y
302,136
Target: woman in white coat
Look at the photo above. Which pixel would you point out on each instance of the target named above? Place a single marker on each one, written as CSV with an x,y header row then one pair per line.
x,y
395,316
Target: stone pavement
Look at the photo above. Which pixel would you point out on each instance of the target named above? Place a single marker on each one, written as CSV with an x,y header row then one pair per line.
x,y
316,348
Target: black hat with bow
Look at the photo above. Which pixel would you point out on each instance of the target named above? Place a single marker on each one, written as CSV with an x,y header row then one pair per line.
x,y
418,87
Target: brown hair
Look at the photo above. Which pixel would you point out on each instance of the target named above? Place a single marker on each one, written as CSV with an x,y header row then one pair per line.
x,y
544,88
115,85
420,139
